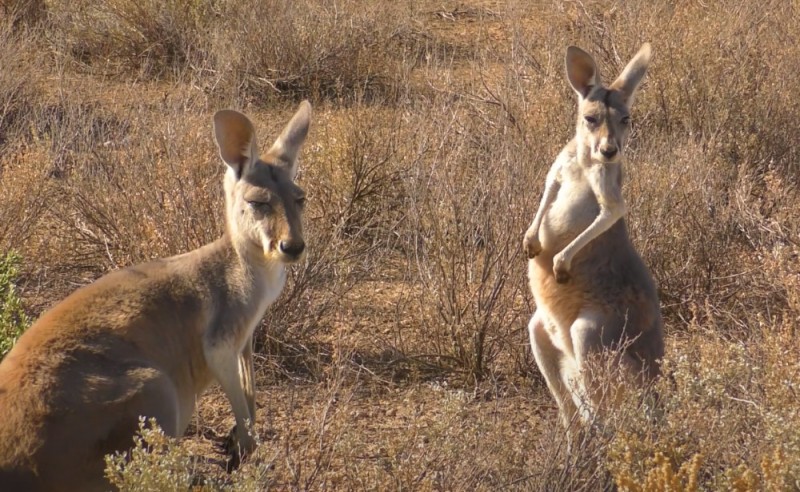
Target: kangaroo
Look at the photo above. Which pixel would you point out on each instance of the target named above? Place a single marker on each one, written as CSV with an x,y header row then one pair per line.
x,y
148,339
593,292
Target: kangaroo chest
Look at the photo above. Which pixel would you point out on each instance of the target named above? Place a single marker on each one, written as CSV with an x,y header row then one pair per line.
x,y
267,289
238,314
573,210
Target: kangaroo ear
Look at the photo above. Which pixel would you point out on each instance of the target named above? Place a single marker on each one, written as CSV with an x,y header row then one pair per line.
x,y
288,144
236,139
630,78
581,71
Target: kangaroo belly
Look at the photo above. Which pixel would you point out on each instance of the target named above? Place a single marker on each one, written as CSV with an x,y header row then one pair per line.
x,y
560,303
607,277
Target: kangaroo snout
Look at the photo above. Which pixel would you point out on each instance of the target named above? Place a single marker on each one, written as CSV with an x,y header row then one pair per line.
x,y
608,151
292,248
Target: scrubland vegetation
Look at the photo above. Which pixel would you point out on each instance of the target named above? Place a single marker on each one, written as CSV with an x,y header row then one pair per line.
x,y
397,356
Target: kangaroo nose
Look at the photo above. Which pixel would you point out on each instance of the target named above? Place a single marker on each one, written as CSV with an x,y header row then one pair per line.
x,y
608,151
292,248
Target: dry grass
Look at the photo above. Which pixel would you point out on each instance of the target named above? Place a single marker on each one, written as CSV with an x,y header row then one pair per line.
x,y
397,356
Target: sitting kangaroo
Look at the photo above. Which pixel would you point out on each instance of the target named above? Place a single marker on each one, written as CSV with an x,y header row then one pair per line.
x,y
147,340
593,292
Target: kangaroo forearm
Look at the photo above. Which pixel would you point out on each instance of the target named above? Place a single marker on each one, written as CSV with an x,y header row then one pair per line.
x,y
550,192
247,375
603,222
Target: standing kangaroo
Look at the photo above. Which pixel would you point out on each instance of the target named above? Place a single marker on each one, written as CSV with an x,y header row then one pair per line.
x,y
147,340
593,292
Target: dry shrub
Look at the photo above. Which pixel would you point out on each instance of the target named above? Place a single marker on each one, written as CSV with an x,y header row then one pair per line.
x,y
23,196
356,437
676,200
24,199
728,417
129,190
351,172
358,174
464,207
20,80
146,39
477,157
22,12
441,450
319,49
244,49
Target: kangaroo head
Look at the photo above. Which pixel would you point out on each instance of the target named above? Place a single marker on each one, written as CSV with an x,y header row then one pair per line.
x,y
263,204
604,120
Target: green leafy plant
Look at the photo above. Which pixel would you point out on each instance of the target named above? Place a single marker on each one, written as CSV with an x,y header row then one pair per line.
x,y
13,320
157,462
154,463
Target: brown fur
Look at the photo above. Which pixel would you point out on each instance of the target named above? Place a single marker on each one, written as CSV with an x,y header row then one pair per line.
x,y
147,340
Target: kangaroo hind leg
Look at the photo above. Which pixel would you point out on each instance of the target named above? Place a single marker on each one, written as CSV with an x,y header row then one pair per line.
x,y
552,363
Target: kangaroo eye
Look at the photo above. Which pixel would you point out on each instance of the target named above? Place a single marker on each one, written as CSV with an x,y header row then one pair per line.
x,y
262,207
626,120
301,202
590,119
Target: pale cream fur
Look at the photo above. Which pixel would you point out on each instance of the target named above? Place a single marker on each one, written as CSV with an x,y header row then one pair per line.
x,y
148,339
593,293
